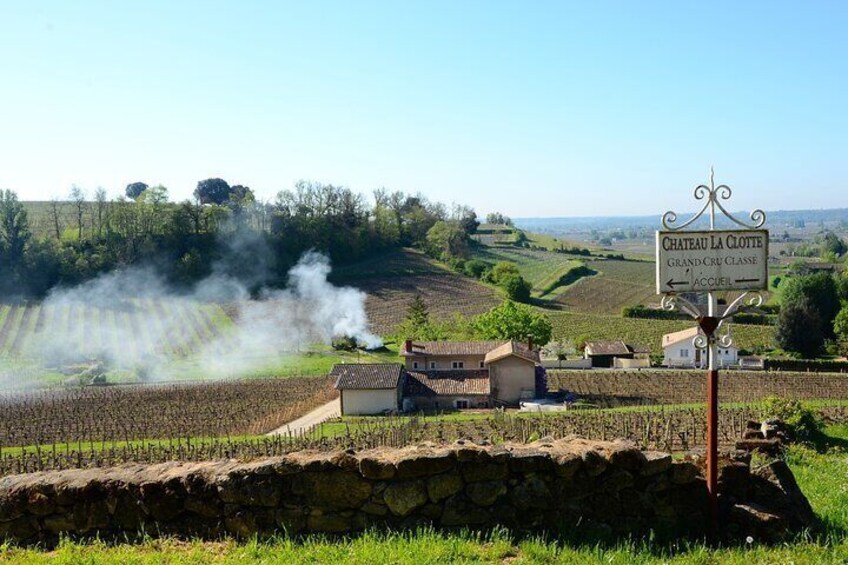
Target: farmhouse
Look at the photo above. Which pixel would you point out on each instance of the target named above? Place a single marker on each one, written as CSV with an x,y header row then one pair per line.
x,y
617,354
680,351
440,375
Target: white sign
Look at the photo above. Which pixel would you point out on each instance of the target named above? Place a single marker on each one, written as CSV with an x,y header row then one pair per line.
x,y
703,261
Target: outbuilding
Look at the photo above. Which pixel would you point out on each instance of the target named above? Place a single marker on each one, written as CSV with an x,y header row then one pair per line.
x,y
369,388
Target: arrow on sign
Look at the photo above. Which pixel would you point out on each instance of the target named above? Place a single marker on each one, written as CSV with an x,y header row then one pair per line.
x,y
672,283
747,280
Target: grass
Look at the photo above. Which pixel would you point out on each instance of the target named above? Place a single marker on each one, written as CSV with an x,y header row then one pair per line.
x,y
823,476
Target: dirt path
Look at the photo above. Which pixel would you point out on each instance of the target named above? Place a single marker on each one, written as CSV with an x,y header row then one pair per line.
x,y
332,409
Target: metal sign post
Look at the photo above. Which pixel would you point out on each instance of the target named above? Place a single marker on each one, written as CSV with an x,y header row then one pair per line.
x,y
710,261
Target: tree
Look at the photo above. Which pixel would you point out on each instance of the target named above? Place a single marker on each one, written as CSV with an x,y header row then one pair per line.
x,y
511,320
821,291
840,324
498,219
212,191
516,287
135,189
418,314
100,200
14,229
57,216
80,207
446,240
800,328
502,270
833,244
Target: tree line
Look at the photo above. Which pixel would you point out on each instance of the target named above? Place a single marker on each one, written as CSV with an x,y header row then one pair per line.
x,y
224,226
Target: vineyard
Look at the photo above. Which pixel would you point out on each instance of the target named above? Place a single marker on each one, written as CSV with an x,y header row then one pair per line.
x,y
541,268
574,325
127,413
138,327
618,284
658,387
392,281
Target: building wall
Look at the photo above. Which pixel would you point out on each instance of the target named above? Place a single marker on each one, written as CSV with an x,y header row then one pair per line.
x,y
448,402
368,401
443,362
682,354
640,363
511,376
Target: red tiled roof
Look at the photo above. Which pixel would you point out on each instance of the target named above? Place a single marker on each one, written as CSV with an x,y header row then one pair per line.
x,y
367,375
607,348
436,383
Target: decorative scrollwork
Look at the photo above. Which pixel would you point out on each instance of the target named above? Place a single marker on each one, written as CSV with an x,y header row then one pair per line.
x,y
700,341
725,340
713,194
672,302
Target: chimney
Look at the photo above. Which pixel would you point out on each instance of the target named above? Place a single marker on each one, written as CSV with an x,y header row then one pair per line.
x,y
530,342
407,346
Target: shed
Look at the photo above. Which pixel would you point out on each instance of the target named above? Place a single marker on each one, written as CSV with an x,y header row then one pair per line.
x,y
369,388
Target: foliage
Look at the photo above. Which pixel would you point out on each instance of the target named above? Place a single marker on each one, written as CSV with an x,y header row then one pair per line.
x,y
446,240
476,268
135,189
344,343
840,324
212,191
14,236
516,288
511,320
803,424
418,314
640,311
832,243
501,270
498,219
570,277
800,328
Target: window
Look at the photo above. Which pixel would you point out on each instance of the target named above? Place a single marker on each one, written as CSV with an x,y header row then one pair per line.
x,y
460,404
482,364
415,364
684,353
458,364
432,364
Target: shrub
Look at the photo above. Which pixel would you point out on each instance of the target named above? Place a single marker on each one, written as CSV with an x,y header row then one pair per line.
x,y
476,267
516,287
802,423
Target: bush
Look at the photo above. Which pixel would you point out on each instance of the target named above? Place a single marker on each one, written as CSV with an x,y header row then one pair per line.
x,y
476,267
345,343
802,423
516,287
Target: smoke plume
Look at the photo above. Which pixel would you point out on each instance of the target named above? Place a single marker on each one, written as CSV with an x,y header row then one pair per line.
x,y
133,320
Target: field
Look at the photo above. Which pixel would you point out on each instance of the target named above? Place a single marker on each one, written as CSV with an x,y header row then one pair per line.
x,y
541,268
392,281
574,325
617,285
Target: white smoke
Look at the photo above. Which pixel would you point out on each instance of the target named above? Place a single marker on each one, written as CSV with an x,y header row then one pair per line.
x,y
132,320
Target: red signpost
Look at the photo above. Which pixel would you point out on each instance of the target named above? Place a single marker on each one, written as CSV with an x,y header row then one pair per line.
x,y
704,262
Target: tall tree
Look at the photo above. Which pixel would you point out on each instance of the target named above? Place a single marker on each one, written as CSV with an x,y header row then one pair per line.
x,y
515,321
80,207
14,229
800,328
135,189
212,191
100,203
57,216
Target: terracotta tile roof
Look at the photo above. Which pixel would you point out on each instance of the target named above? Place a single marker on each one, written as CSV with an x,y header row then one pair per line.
x,y
436,383
367,375
436,348
676,337
640,348
515,348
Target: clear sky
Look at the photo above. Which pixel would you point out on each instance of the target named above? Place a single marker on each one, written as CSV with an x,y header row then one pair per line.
x,y
529,108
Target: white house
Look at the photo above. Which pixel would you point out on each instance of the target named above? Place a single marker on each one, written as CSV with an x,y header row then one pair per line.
x,y
679,351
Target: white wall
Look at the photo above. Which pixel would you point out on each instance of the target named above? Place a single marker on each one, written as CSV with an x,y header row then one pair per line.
x,y
682,354
368,401
513,377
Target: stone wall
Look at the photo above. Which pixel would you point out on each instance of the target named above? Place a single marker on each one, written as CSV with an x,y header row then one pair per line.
x,y
543,485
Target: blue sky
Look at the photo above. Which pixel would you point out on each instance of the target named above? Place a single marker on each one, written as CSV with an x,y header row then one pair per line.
x,y
529,108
